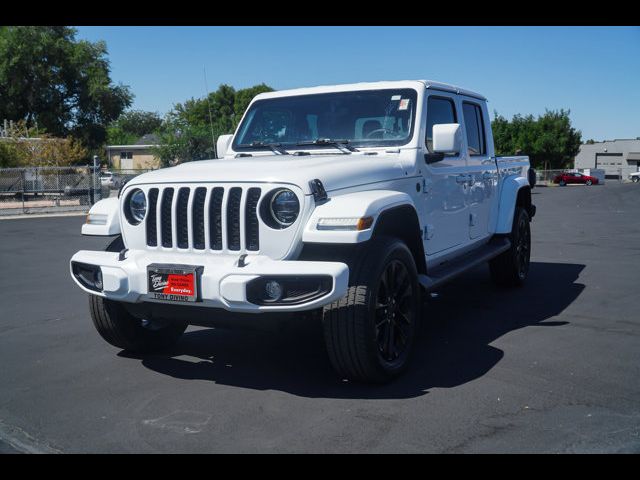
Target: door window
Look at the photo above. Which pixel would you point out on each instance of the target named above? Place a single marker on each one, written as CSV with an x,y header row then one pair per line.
x,y
439,110
474,125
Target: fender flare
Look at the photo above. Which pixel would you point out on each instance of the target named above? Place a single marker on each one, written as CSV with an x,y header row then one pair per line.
x,y
509,193
103,218
369,203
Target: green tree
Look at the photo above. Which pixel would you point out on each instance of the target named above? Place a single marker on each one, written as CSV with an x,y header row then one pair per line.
x,y
190,129
25,146
132,125
62,85
8,154
243,99
549,140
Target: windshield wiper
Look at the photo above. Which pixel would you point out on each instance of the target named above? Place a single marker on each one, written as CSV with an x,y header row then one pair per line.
x,y
275,147
342,145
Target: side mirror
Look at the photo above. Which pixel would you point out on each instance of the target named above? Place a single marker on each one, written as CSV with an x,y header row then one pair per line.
x,y
222,145
447,138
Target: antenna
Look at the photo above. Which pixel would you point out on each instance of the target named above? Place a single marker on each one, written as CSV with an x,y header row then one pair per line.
x,y
213,139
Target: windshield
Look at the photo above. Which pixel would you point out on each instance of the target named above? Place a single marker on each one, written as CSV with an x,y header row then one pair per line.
x,y
365,118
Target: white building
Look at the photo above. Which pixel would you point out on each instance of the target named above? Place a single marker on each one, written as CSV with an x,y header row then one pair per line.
x,y
617,158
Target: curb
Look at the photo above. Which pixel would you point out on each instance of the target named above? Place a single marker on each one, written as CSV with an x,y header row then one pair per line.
x,y
41,215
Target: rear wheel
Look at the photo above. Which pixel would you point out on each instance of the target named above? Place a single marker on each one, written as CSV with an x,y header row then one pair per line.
x,y
370,332
588,182
511,267
563,183
636,179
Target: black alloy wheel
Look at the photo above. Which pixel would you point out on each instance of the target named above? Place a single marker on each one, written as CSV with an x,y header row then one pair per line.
x,y
393,311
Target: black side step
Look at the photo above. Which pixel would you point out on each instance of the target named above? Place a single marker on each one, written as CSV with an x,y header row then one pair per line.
x,y
441,274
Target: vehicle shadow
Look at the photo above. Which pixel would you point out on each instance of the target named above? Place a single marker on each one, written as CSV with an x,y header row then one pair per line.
x,y
454,346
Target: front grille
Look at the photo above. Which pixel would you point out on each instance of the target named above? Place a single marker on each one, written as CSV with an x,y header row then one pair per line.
x,y
165,223
198,218
152,229
204,218
181,217
233,218
215,218
251,224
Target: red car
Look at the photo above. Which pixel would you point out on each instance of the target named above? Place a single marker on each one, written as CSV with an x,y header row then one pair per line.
x,y
566,178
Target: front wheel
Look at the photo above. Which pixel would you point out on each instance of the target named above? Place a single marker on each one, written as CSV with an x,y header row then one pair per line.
x,y
121,329
589,183
370,332
636,179
563,183
511,268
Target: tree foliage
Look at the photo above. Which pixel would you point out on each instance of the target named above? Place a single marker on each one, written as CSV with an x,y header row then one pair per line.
x,y
190,129
62,85
132,125
549,140
26,146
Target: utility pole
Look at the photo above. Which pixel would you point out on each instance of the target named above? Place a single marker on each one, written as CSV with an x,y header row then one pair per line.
x,y
95,177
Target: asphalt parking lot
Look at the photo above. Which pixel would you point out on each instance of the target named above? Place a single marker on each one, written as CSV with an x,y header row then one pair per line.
x,y
551,367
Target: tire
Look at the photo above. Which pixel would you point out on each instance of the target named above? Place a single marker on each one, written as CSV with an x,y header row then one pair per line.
x,y
366,341
121,329
588,183
563,183
116,245
636,179
511,268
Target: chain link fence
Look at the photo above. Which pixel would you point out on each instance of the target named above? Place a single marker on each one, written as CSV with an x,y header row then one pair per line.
x,y
57,189
545,177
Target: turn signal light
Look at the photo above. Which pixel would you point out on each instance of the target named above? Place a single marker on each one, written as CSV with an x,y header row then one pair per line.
x,y
358,224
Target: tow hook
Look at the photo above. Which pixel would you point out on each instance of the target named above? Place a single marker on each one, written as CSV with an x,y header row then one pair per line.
x,y
241,262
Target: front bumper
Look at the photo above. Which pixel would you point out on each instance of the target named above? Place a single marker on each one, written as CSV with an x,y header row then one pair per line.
x,y
223,284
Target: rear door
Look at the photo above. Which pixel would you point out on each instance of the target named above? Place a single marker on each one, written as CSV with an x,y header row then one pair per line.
x,y
483,182
445,212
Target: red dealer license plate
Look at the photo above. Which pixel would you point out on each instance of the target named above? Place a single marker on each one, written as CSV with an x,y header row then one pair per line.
x,y
172,283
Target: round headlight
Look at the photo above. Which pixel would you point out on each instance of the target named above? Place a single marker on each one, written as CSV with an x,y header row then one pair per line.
x,y
284,207
136,207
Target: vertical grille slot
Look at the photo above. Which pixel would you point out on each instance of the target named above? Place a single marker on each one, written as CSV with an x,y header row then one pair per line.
x,y
233,218
198,218
251,225
165,216
215,218
182,230
152,228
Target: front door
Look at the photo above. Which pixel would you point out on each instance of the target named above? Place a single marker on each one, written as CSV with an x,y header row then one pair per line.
x,y
444,210
126,160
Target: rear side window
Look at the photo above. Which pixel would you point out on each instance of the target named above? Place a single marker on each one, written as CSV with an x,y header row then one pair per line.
x,y
439,110
474,126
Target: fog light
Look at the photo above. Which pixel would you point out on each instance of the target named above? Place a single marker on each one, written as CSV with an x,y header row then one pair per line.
x,y
98,279
273,290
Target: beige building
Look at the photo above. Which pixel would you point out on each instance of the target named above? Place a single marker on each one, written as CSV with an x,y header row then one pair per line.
x,y
134,157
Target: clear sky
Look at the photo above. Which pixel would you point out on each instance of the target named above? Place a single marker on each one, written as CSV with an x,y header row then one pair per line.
x,y
593,71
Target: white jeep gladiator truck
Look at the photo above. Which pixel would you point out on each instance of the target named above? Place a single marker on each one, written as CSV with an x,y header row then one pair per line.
x,y
349,202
